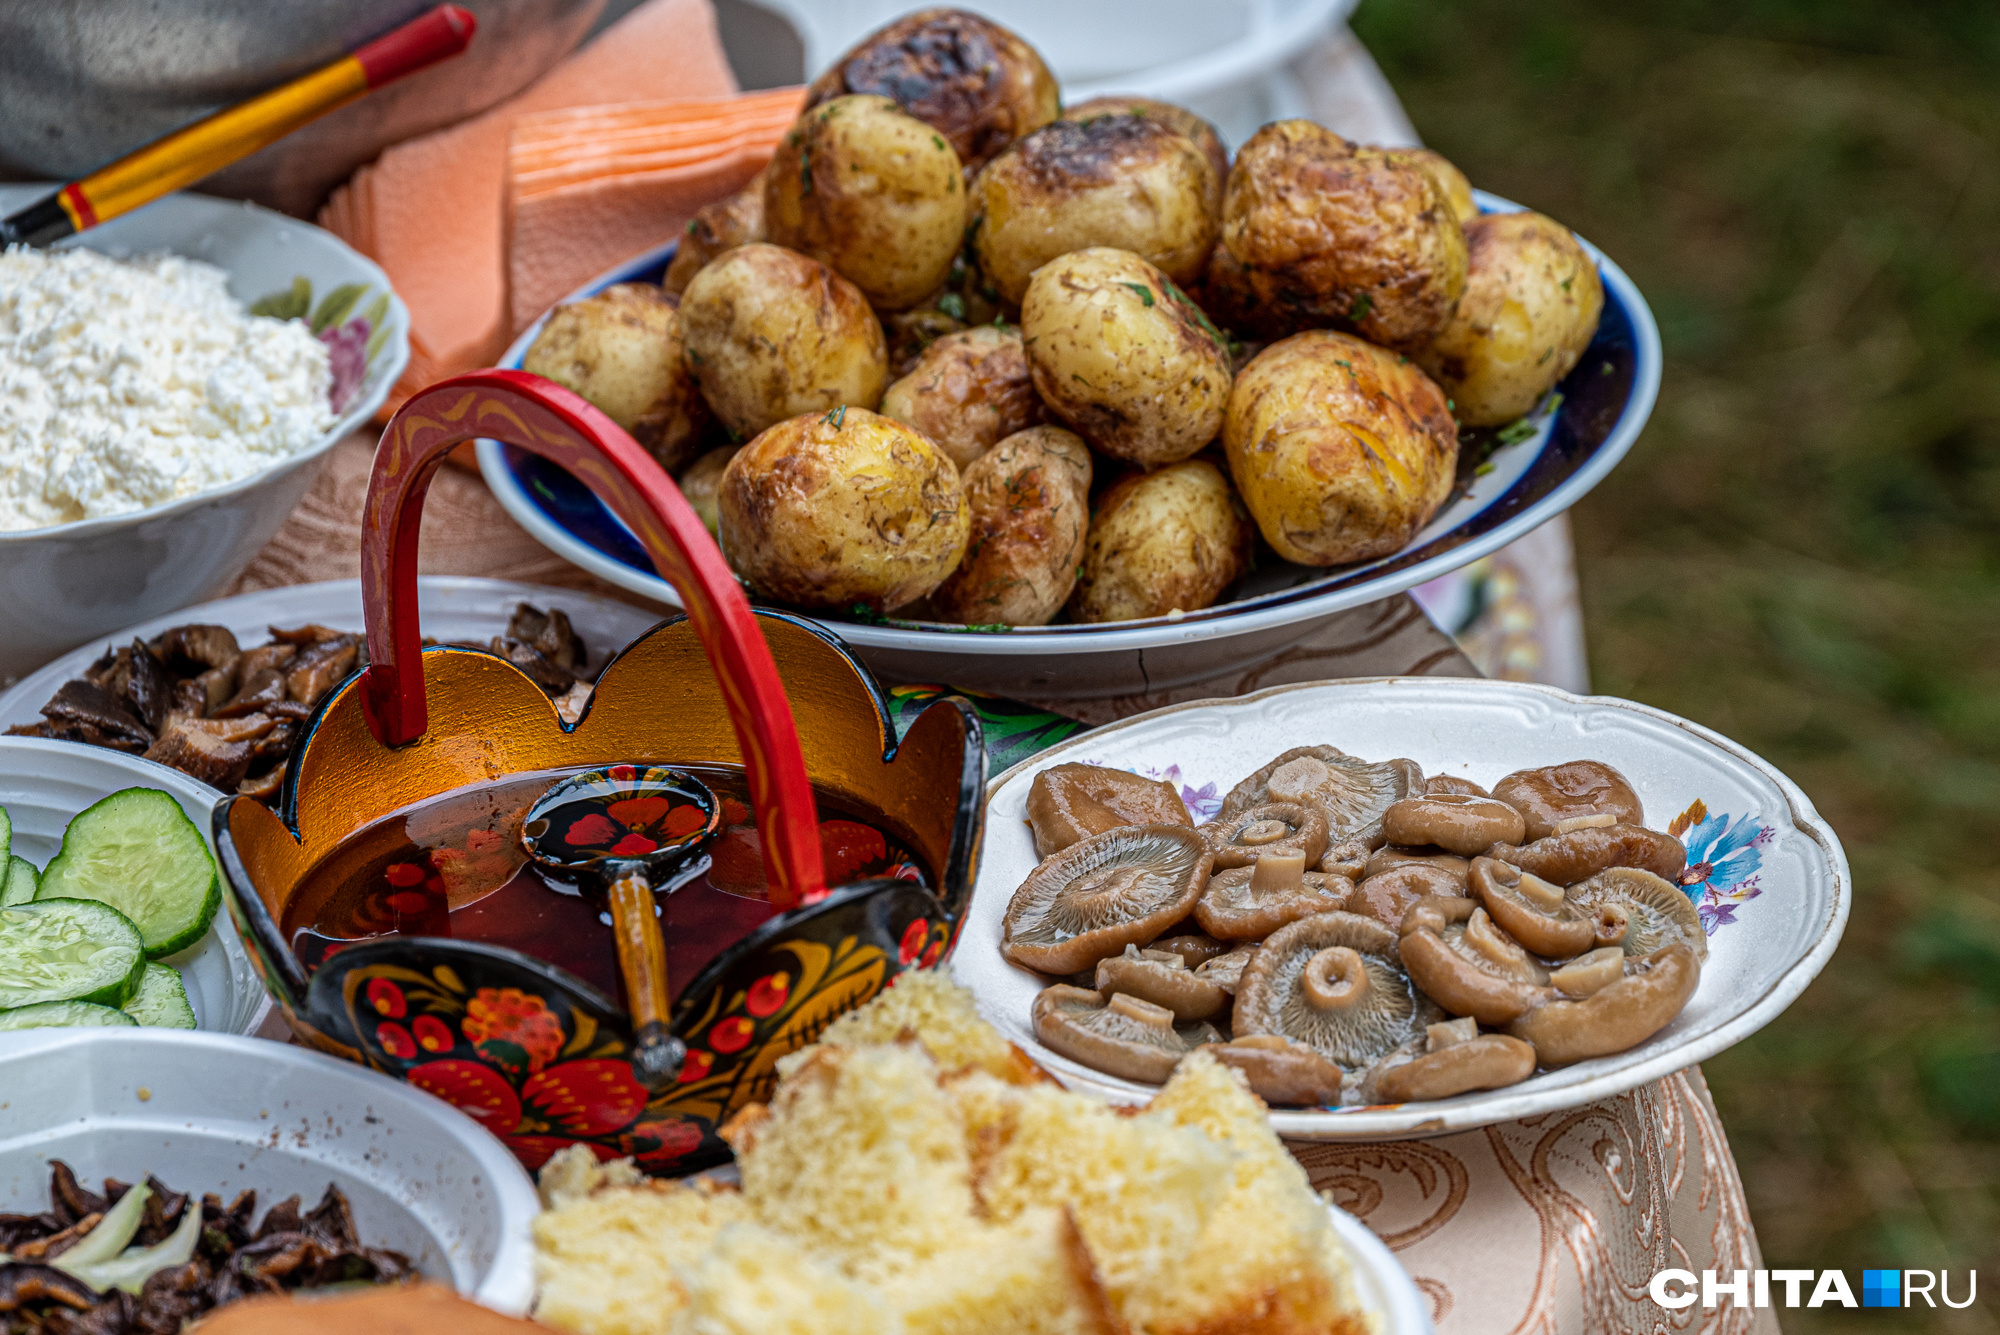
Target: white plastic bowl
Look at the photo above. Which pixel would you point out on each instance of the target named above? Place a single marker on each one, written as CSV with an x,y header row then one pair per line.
x,y
61,585
209,1112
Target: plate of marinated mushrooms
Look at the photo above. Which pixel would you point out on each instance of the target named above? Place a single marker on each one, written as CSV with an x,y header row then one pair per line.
x,y
1019,392
1400,906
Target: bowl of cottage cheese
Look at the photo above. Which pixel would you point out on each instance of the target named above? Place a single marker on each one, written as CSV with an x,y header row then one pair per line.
x,y
170,385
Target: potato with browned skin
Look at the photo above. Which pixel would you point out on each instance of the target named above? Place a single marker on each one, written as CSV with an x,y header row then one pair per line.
x,y
1128,182
970,79
1342,450
1121,354
1168,540
968,391
863,186
1457,189
771,334
1531,305
714,230
621,349
842,509
1030,502
701,483
1197,128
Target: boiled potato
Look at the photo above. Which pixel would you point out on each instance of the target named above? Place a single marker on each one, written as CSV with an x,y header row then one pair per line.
x,y
1204,134
772,334
1124,181
967,392
1320,233
1531,304
1120,354
863,186
1342,450
702,483
968,78
621,349
715,228
1168,540
839,509
1030,499
1457,189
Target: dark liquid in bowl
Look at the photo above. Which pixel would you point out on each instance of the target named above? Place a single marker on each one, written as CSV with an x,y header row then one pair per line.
x,y
453,866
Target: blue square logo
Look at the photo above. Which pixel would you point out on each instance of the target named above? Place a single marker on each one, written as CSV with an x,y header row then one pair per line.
x,y
1881,1288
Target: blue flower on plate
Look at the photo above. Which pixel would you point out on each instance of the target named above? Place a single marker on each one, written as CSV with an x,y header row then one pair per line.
x,y
1724,855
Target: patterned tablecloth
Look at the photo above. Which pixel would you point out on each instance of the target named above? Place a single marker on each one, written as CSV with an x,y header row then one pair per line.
x,y
1548,1226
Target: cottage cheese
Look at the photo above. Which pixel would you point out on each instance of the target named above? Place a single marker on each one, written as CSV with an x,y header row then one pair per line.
x,y
126,384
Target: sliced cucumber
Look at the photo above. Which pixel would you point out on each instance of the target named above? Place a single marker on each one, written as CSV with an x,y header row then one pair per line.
x,y
6,833
138,852
21,882
162,1000
68,950
62,1015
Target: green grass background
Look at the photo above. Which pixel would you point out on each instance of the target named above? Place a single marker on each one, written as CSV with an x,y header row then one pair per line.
x,y
1803,551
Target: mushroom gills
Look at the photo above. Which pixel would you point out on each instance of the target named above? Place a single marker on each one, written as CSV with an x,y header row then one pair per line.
x,y
1351,793
1123,887
1639,911
1164,980
1276,827
1121,1036
1250,903
1333,983
1531,911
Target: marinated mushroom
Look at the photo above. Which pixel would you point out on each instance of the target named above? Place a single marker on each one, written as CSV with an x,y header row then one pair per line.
x,y
1583,852
1333,983
1572,791
1457,823
1071,802
1118,1035
1194,948
1389,857
1455,1058
1226,970
1467,965
1452,783
1280,827
1281,1071
1249,903
1122,887
1639,912
1531,910
1623,1015
1388,895
1164,979
1589,973
1353,793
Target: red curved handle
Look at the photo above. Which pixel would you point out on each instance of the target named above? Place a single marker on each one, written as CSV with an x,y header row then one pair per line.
x,y
544,418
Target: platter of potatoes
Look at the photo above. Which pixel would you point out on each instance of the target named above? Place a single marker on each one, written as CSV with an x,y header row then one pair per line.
x,y
976,372
1399,906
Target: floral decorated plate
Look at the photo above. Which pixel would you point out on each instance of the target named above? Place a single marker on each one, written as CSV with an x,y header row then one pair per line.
x,y
1765,873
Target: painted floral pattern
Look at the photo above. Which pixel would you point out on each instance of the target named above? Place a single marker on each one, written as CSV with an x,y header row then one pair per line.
x,y
352,332
1725,854
1203,803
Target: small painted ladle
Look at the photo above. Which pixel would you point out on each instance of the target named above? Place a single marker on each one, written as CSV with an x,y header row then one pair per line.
x,y
617,835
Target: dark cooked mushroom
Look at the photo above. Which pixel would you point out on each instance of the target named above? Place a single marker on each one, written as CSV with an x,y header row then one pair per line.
x,y
1071,802
1639,911
1332,982
149,690
1453,1058
1452,783
550,635
202,748
1194,948
1623,1015
22,1284
1467,965
1282,1072
1280,827
1571,791
98,715
1456,822
1352,793
1388,895
1389,856
1123,887
1226,971
320,667
1120,1035
1588,973
259,690
1250,903
1164,980
192,649
552,679
1581,853
1531,910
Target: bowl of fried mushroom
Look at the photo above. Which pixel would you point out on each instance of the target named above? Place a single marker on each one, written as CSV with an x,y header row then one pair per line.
x,y
1071,400
1400,906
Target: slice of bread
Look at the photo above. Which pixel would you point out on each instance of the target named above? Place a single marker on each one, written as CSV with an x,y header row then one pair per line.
x,y
927,1005
756,1282
1031,1277
605,1258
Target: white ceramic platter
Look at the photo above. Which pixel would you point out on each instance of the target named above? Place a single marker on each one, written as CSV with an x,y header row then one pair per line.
x,y
208,1112
1386,1288
1774,901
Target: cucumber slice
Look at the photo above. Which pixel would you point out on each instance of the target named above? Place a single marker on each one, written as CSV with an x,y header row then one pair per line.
x,y
6,833
21,882
62,1015
68,950
138,852
162,1000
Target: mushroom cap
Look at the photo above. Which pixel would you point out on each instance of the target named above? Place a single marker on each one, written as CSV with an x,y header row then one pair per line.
x,y
1490,1061
1119,1035
1467,965
1347,858
1163,979
1574,788
1353,793
1071,802
1452,783
1332,982
1275,827
1389,855
1625,1014
1456,822
1580,854
25,1282
1194,948
1657,912
1235,908
1281,1071
1226,971
1122,887
1387,895
1555,930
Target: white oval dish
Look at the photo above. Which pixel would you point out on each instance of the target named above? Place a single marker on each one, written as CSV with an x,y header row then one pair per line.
x,y
1774,905
210,1112
1386,1288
